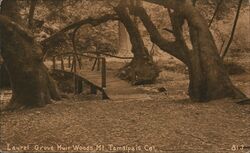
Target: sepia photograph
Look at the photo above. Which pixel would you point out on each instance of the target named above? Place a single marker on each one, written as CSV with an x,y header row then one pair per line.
x,y
124,76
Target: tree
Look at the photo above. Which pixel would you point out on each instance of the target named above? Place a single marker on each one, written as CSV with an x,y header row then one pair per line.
x,y
30,82
141,70
208,77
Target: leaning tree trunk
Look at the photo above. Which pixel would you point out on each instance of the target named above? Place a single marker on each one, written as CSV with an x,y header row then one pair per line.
x,y
30,82
142,69
208,77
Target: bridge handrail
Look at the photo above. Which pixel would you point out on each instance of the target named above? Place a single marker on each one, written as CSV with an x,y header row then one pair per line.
x,y
78,54
106,54
102,59
94,53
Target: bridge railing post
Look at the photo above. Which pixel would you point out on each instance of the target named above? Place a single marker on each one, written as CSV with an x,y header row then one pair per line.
x,y
74,71
62,62
104,73
80,62
69,61
98,61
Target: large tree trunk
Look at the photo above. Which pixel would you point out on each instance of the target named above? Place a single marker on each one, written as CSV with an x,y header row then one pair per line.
x,y
30,82
142,69
208,77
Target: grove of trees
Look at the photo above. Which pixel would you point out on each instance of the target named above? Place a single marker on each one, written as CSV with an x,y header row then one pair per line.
x,y
32,85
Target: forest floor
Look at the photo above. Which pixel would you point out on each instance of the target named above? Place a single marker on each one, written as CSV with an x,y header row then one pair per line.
x,y
162,122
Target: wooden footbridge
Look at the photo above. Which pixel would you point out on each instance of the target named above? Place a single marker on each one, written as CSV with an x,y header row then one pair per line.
x,y
90,70
81,72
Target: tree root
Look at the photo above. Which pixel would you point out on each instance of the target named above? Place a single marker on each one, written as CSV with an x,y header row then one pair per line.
x,y
139,72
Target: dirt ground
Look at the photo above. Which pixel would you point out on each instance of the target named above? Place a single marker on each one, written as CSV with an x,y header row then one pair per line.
x,y
163,122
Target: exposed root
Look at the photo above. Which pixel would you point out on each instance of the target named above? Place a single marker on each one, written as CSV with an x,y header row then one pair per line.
x,y
139,72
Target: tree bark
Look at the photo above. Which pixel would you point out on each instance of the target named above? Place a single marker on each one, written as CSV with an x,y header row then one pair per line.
x,y
208,77
142,69
30,82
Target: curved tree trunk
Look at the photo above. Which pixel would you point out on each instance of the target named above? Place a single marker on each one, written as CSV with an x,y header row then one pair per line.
x,y
142,69
30,82
208,77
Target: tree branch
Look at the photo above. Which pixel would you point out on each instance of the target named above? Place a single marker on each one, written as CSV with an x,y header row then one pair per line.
x,y
233,30
173,48
90,20
215,12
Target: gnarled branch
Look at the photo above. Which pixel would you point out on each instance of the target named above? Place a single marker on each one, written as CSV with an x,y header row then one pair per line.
x,y
90,20
172,48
